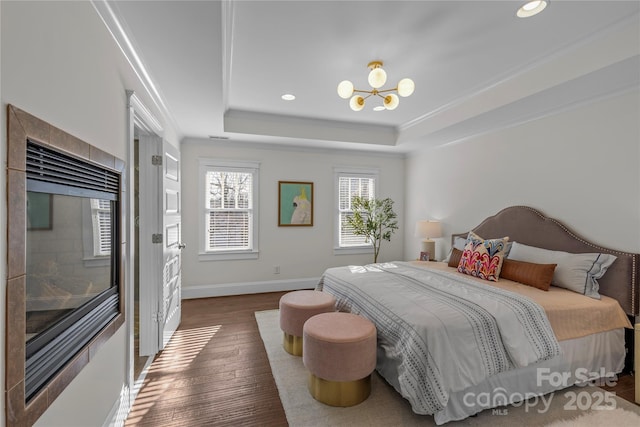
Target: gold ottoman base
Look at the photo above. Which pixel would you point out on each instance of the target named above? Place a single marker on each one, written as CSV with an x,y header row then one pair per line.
x,y
292,344
340,393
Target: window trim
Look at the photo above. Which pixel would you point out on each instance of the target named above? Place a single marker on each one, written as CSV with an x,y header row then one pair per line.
x,y
205,165
341,171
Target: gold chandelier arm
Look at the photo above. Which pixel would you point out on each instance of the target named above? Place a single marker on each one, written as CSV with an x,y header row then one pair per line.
x,y
363,91
388,90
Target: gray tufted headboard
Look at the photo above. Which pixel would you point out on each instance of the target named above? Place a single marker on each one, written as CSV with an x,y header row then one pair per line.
x,y
530,227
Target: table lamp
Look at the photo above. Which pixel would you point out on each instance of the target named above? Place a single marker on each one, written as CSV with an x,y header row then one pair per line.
x,y
427,230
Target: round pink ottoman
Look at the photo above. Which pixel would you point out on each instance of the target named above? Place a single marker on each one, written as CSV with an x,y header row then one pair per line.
x,y
340,354
295,308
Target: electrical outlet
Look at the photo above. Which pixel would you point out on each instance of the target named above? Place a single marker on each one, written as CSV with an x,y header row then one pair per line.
x,y
276,269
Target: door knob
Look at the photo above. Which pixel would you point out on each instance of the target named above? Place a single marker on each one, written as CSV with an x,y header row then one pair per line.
x,y
181,246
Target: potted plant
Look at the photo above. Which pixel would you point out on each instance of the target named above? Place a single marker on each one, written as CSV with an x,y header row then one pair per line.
x,y
373,218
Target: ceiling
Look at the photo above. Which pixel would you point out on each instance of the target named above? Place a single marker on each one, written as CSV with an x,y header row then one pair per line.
x,y
218,69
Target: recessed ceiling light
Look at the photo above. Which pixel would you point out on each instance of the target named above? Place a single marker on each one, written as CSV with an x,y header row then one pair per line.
x,y
288,97
379,108
531,8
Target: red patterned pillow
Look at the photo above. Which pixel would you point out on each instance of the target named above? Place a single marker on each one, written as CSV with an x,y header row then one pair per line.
x,y
483,258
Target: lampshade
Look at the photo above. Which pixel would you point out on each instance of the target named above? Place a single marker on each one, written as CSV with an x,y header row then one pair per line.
x,y
356,103
377,78
406,87
391,101
428,229
345,89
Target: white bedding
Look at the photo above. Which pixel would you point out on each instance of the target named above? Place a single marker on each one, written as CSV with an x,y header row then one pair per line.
x,y
442,336
440,333
597,355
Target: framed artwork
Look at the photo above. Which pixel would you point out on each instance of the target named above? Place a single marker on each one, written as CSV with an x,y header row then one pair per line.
x,y
424,256
295,204
39,211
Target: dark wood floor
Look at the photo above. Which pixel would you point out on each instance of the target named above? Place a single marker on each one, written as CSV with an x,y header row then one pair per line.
x,y
215,371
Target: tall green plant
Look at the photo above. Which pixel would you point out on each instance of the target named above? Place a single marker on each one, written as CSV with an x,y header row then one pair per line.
x,y
373,218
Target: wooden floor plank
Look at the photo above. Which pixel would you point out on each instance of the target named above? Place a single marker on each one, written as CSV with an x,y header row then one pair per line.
x,y
215,371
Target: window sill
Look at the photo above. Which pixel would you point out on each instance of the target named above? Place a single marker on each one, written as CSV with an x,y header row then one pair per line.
x,y
356,250
227,256
94,262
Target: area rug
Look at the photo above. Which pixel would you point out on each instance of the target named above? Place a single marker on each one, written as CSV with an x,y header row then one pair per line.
x,y
385,407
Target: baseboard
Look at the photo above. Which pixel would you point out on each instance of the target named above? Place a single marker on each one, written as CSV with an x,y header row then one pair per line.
x,y
119,410
226,289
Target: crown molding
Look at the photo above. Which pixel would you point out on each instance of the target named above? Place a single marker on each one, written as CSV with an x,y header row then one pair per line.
x,y
116,28
296,146
557,56
251,122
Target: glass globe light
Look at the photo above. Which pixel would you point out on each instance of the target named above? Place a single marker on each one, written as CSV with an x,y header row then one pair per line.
x,y
356,103
345,89
377,78
391,101
406,87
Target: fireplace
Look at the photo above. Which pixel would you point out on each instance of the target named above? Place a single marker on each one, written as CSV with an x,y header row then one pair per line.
x,y
64,260
72,270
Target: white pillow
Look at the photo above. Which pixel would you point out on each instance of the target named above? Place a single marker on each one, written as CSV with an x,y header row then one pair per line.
x,y
458,243
576,272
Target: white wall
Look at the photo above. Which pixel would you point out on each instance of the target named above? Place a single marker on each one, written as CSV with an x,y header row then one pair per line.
x,y
581,167
59,63
301,252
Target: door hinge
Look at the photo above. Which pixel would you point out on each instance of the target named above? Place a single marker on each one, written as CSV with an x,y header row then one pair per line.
x,y
156,238
157,317
156,160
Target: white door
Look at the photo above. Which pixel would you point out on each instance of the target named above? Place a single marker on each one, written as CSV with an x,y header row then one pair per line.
x,y
172,244
160,243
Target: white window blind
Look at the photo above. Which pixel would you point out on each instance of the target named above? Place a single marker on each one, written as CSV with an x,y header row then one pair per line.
x,y
230,209
348,187
101,222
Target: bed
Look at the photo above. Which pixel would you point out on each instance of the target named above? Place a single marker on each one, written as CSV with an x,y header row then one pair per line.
x,y
453,344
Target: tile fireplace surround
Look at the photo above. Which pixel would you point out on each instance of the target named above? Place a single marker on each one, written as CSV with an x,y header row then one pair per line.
x,y
20,126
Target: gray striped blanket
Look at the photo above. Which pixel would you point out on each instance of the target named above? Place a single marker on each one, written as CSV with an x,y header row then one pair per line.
x,y
440,331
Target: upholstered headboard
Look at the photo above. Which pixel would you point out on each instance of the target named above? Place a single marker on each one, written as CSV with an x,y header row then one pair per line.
x,y
530,227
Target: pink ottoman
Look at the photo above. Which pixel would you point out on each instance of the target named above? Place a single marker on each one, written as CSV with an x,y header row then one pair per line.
x,y
295,308
340,354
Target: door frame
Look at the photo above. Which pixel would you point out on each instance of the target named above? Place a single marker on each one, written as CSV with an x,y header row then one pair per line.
x,y
138,115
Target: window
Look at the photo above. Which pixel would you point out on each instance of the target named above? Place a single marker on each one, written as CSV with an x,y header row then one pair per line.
x,y
350,183
101,221
97,233
229,216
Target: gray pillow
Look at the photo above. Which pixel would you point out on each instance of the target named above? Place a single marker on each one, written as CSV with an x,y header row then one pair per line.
x,y
575,272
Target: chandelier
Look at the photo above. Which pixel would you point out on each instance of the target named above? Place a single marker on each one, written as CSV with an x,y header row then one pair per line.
x,y
377,79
